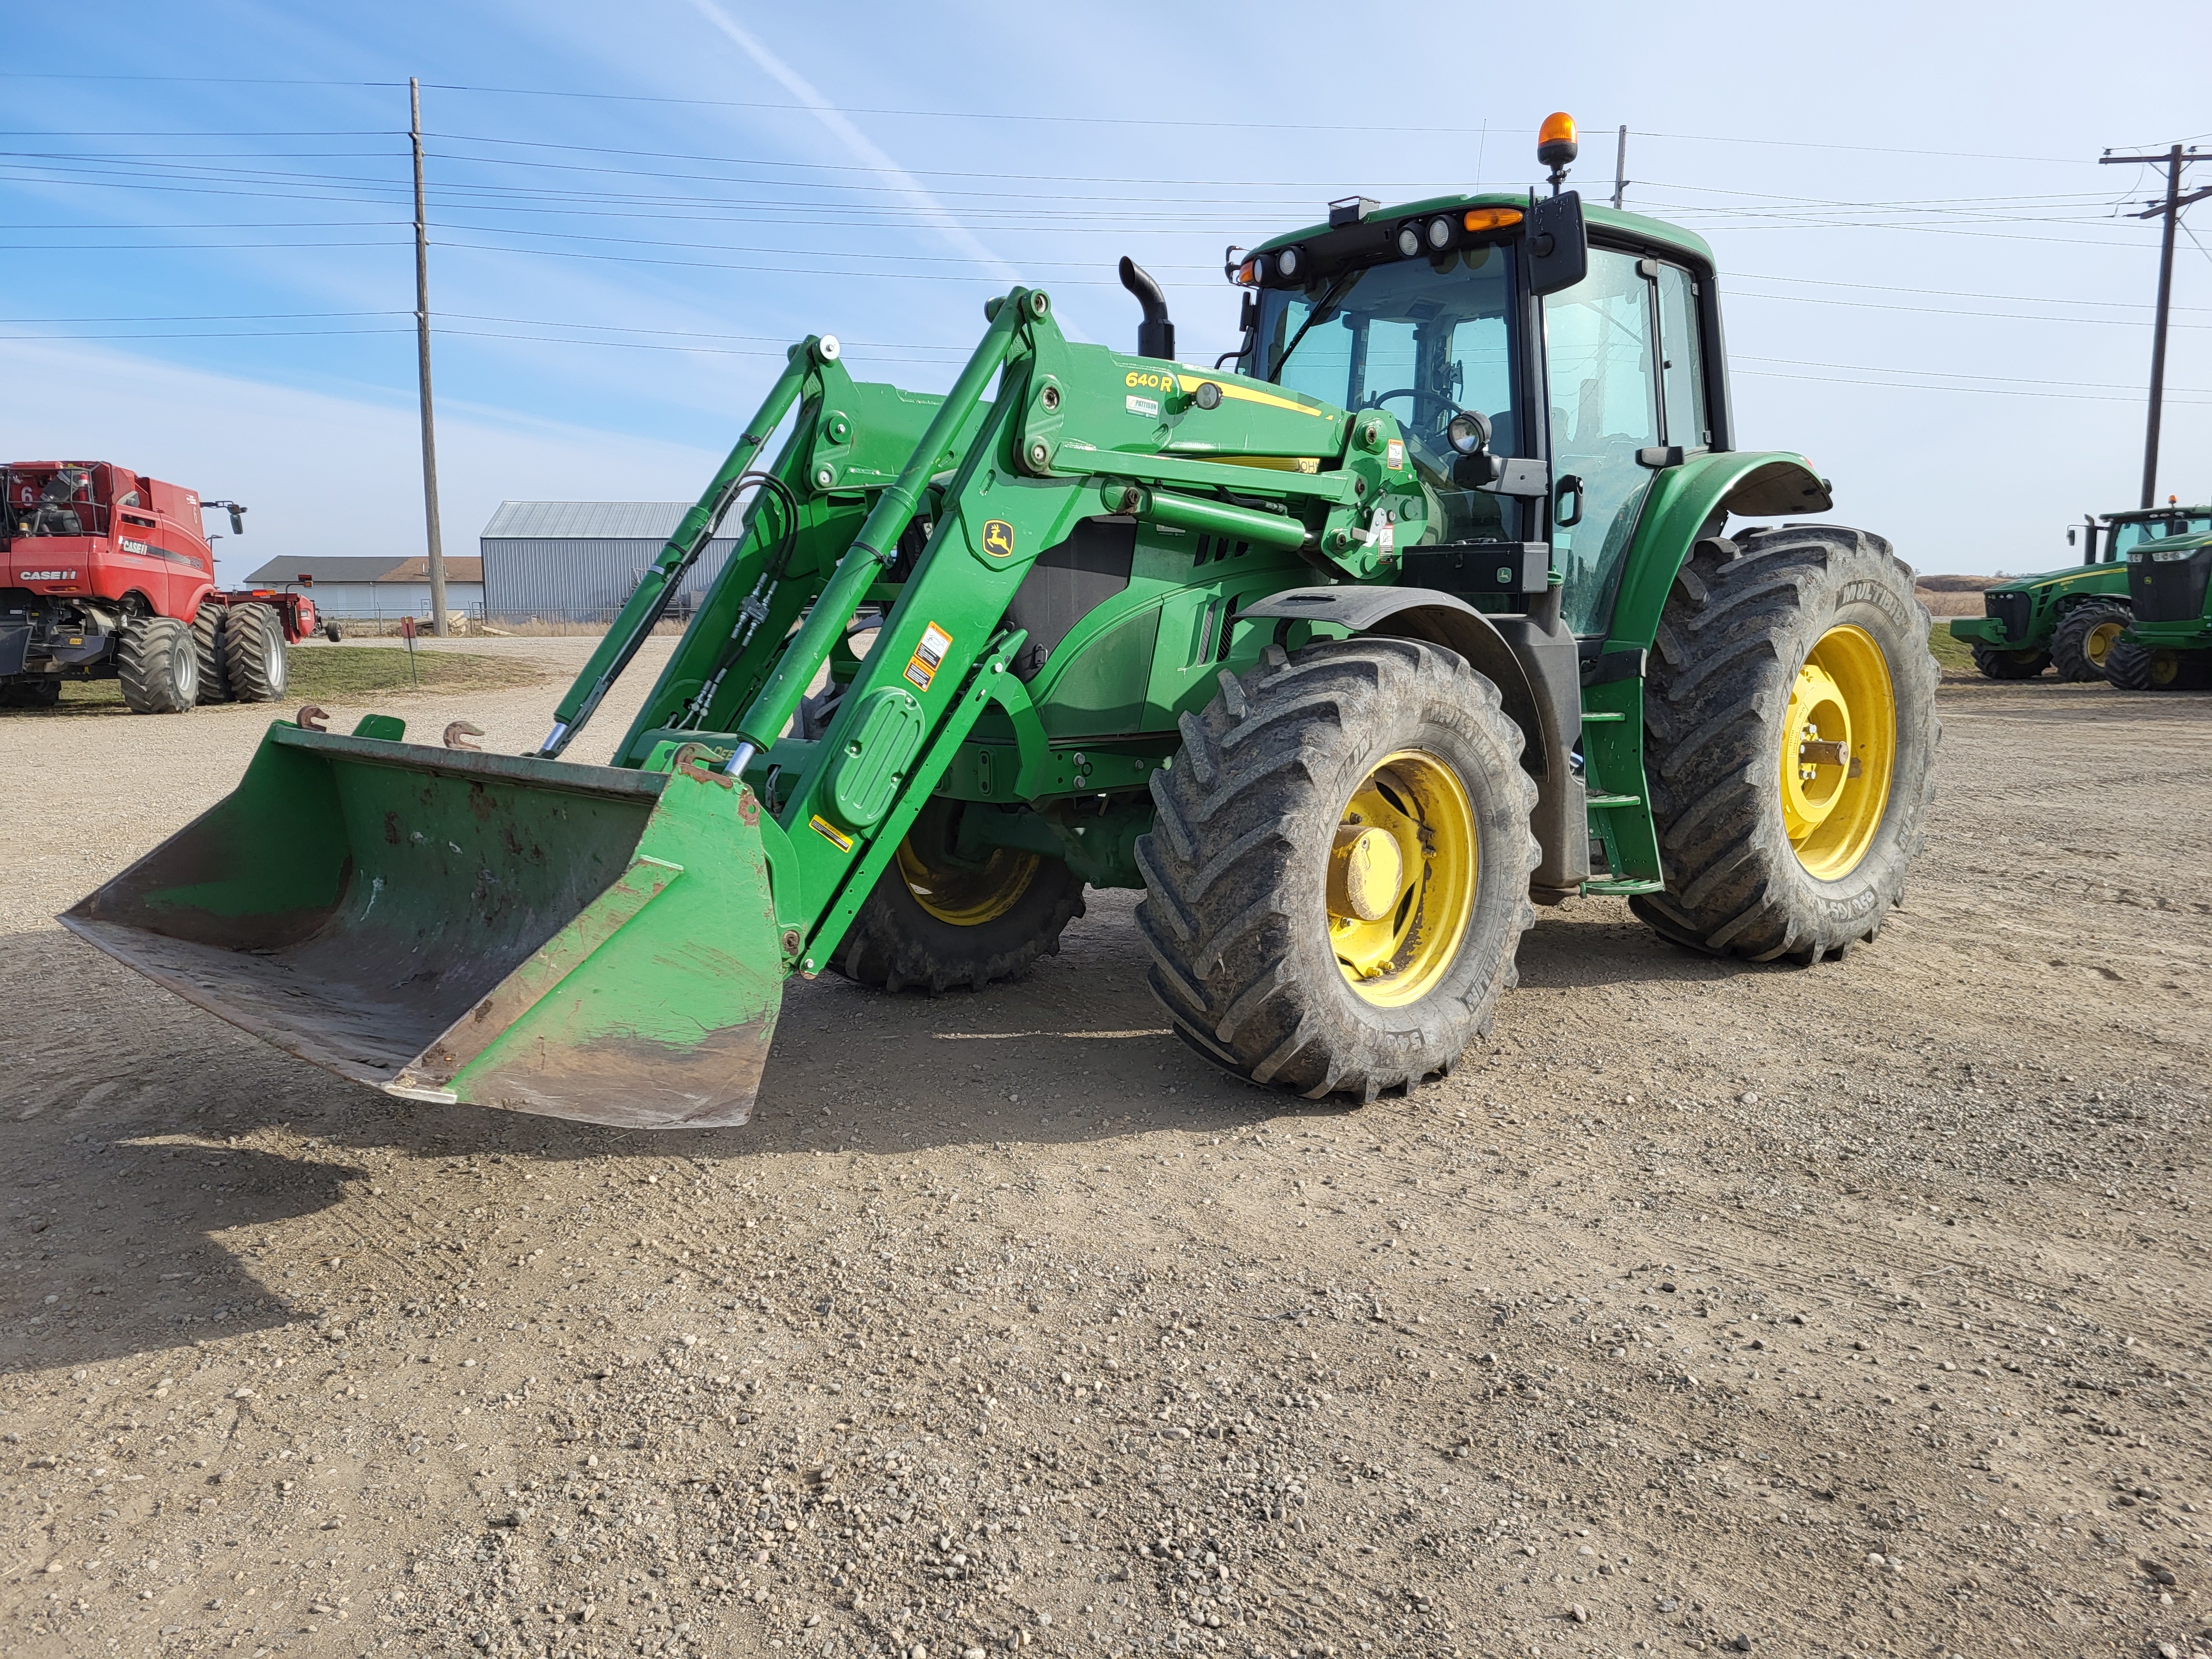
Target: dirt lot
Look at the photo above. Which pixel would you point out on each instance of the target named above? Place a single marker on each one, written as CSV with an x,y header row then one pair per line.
x,y
1857,1310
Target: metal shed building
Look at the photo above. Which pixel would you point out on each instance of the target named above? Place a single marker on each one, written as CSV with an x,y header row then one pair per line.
x,y
353,588
578,561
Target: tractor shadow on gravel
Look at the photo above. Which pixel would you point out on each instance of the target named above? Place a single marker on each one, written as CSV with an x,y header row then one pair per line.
x,y
133,1204
131,1219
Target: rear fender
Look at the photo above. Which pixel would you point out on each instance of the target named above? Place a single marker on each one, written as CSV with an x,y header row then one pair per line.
x,y
1690,500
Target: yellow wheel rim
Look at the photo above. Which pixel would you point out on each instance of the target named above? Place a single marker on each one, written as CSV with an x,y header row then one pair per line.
x,y
1838,752
968,898
2098,642
1402,878
2164,668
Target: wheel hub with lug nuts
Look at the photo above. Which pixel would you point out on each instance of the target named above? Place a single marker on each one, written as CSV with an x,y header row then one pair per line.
x,y
1402,872
1838,747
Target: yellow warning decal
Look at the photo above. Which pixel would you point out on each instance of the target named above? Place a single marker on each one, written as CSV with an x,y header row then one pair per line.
x,y
999,538
1246,394
922,667
830,833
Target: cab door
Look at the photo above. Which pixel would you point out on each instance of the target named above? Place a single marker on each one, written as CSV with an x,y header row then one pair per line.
x,y
1601,361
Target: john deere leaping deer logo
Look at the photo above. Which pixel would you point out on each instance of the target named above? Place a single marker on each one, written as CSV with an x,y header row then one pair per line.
x,y
999,538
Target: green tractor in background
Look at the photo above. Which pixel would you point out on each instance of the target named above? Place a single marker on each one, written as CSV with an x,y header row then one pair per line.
x,y
1439,605
2070,619
2167,645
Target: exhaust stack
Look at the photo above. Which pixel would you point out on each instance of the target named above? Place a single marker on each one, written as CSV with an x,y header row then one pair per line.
x,y
1156,334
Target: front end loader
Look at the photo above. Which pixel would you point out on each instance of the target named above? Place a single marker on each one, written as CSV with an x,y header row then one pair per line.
x,y
1435,608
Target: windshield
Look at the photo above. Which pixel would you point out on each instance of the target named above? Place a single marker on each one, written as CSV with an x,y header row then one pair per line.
x,y
1420,338
2126,536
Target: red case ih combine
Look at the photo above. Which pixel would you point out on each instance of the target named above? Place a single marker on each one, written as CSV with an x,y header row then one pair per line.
x,y
104,574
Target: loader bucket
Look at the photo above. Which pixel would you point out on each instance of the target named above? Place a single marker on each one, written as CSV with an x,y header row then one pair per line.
x,y
581,942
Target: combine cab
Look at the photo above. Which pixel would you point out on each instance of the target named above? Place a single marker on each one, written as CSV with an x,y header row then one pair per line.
x,y
105,574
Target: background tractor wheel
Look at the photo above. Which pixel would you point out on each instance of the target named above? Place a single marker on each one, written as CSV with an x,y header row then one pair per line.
x,y
2086,634
253,654
158,663
1998,663
2135,667
1337,878
934,923
1791,729
206,639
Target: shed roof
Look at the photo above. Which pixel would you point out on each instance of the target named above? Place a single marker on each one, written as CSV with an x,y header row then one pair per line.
x,y
653,521
382,567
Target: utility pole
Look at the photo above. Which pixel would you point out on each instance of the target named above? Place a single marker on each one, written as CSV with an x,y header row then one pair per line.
x,y
423,365
1620,169
2173,161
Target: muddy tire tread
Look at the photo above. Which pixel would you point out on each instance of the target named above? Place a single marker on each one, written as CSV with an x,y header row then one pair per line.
x,y
1256,780
1735,627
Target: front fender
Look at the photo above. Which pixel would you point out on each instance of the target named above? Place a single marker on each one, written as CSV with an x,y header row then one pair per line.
x,y
1439,618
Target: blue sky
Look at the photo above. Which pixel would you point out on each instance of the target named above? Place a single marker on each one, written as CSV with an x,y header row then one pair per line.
x,y
1927,282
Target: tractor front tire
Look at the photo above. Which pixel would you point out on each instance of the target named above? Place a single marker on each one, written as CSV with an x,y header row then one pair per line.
x,y
30,693
207,639
2133,667
1336,881
1996,662
158,661
2085,637
932,923
253,654
1791,731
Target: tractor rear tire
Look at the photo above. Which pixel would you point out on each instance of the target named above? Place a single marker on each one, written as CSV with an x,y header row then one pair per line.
x,y
31,694
1784,638
930,925
158,662
2133,667
1258,869
2085,636
1998,662
253,654
207,638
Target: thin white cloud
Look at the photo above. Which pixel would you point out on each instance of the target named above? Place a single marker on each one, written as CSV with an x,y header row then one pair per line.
x,y
289,452
862,149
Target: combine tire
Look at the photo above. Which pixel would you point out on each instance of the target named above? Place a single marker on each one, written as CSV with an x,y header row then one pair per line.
x,y
158,661
1790,728
1998,663
30,693
207,638
933,923
2135,667
1337,877
2085,636
253,654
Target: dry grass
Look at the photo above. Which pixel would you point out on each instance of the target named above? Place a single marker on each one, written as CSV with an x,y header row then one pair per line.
x,y
338,673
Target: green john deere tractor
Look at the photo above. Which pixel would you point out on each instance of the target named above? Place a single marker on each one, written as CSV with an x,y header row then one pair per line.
x,y
1437,603
2167,645
2069,619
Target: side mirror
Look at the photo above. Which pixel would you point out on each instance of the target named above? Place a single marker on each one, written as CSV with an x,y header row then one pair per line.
x,y
238,521
1558,245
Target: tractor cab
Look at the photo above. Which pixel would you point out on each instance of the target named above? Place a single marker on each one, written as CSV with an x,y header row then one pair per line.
x,y
1534,412
2126,531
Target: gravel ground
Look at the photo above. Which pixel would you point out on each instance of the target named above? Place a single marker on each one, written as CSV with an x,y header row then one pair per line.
x,y
1852,1310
